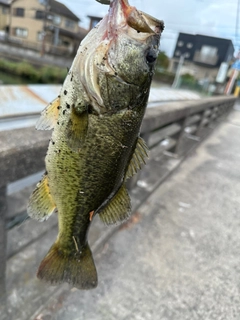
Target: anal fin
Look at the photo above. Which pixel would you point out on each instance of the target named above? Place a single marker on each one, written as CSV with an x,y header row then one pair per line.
x,y
41,204
118,209
49,116
138,158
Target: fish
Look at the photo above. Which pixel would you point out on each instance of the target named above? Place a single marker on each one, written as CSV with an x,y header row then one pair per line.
x,y
95,144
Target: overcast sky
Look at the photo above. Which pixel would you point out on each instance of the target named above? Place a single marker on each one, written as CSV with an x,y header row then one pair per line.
x,y
208,17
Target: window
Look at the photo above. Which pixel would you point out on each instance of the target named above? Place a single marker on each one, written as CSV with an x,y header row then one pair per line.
x,y
56,20
207,54
94,22
208,51
180,43
65,43
19,12
40,36
39,14
187,55
69,24
189,45
50,17
20,32
177,53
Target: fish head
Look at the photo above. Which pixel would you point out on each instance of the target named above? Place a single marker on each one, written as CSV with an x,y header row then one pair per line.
x,y
133,42
120,59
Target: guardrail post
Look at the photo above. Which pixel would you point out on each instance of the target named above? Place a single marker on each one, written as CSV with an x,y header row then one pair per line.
x,y
205,115
178,137
3,242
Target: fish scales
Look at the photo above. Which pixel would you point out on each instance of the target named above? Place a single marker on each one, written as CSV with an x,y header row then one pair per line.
x,y
96,178
95,145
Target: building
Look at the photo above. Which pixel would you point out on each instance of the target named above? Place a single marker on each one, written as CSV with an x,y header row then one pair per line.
x,y
4,15
202,55
44,25
93,21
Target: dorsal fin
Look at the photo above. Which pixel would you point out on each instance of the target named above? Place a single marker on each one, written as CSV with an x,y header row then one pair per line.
x,y
138,158
49,116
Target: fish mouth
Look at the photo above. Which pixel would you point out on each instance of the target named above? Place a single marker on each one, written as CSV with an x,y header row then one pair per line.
x,y
105,57
121,15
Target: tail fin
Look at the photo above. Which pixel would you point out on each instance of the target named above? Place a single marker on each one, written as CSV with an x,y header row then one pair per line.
x,y
77,269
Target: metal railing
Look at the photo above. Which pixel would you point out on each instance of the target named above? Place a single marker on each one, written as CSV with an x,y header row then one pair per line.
x,y
37,47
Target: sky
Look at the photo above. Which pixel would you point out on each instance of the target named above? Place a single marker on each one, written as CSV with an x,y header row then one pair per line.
x,y
207,17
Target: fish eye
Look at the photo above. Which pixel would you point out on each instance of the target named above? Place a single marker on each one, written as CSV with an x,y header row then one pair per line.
x,y
151,56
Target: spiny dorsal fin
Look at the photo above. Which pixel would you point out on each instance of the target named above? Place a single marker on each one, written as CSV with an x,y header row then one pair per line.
x,y
49,116
76,129
138,158
118,209
41,204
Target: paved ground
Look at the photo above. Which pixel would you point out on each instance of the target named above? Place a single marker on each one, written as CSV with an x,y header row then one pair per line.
x,y
180,257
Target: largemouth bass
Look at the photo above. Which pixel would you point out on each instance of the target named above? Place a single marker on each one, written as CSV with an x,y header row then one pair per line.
x,y
95,146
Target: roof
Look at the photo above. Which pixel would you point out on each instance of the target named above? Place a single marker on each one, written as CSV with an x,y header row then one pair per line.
x,y
61,9
73,35
203,36
5,2
95,17
213,38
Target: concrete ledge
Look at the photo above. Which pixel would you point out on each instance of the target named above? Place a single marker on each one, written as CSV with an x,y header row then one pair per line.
x,y
22,153
172,112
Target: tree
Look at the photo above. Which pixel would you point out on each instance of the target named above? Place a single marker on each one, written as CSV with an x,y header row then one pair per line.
x,y
162,61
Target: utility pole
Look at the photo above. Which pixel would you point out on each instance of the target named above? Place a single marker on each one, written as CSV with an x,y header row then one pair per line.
x,y
235,72
178,72
10,21
44,27
231,82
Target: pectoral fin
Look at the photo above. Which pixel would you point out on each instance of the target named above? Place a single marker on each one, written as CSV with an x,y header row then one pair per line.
x,y
76,129
41,204
118,209
49,116
138,158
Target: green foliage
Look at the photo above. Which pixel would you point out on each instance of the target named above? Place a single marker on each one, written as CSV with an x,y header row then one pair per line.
x,y
164,76
161,74
32,73
188,77
162,61
189,82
